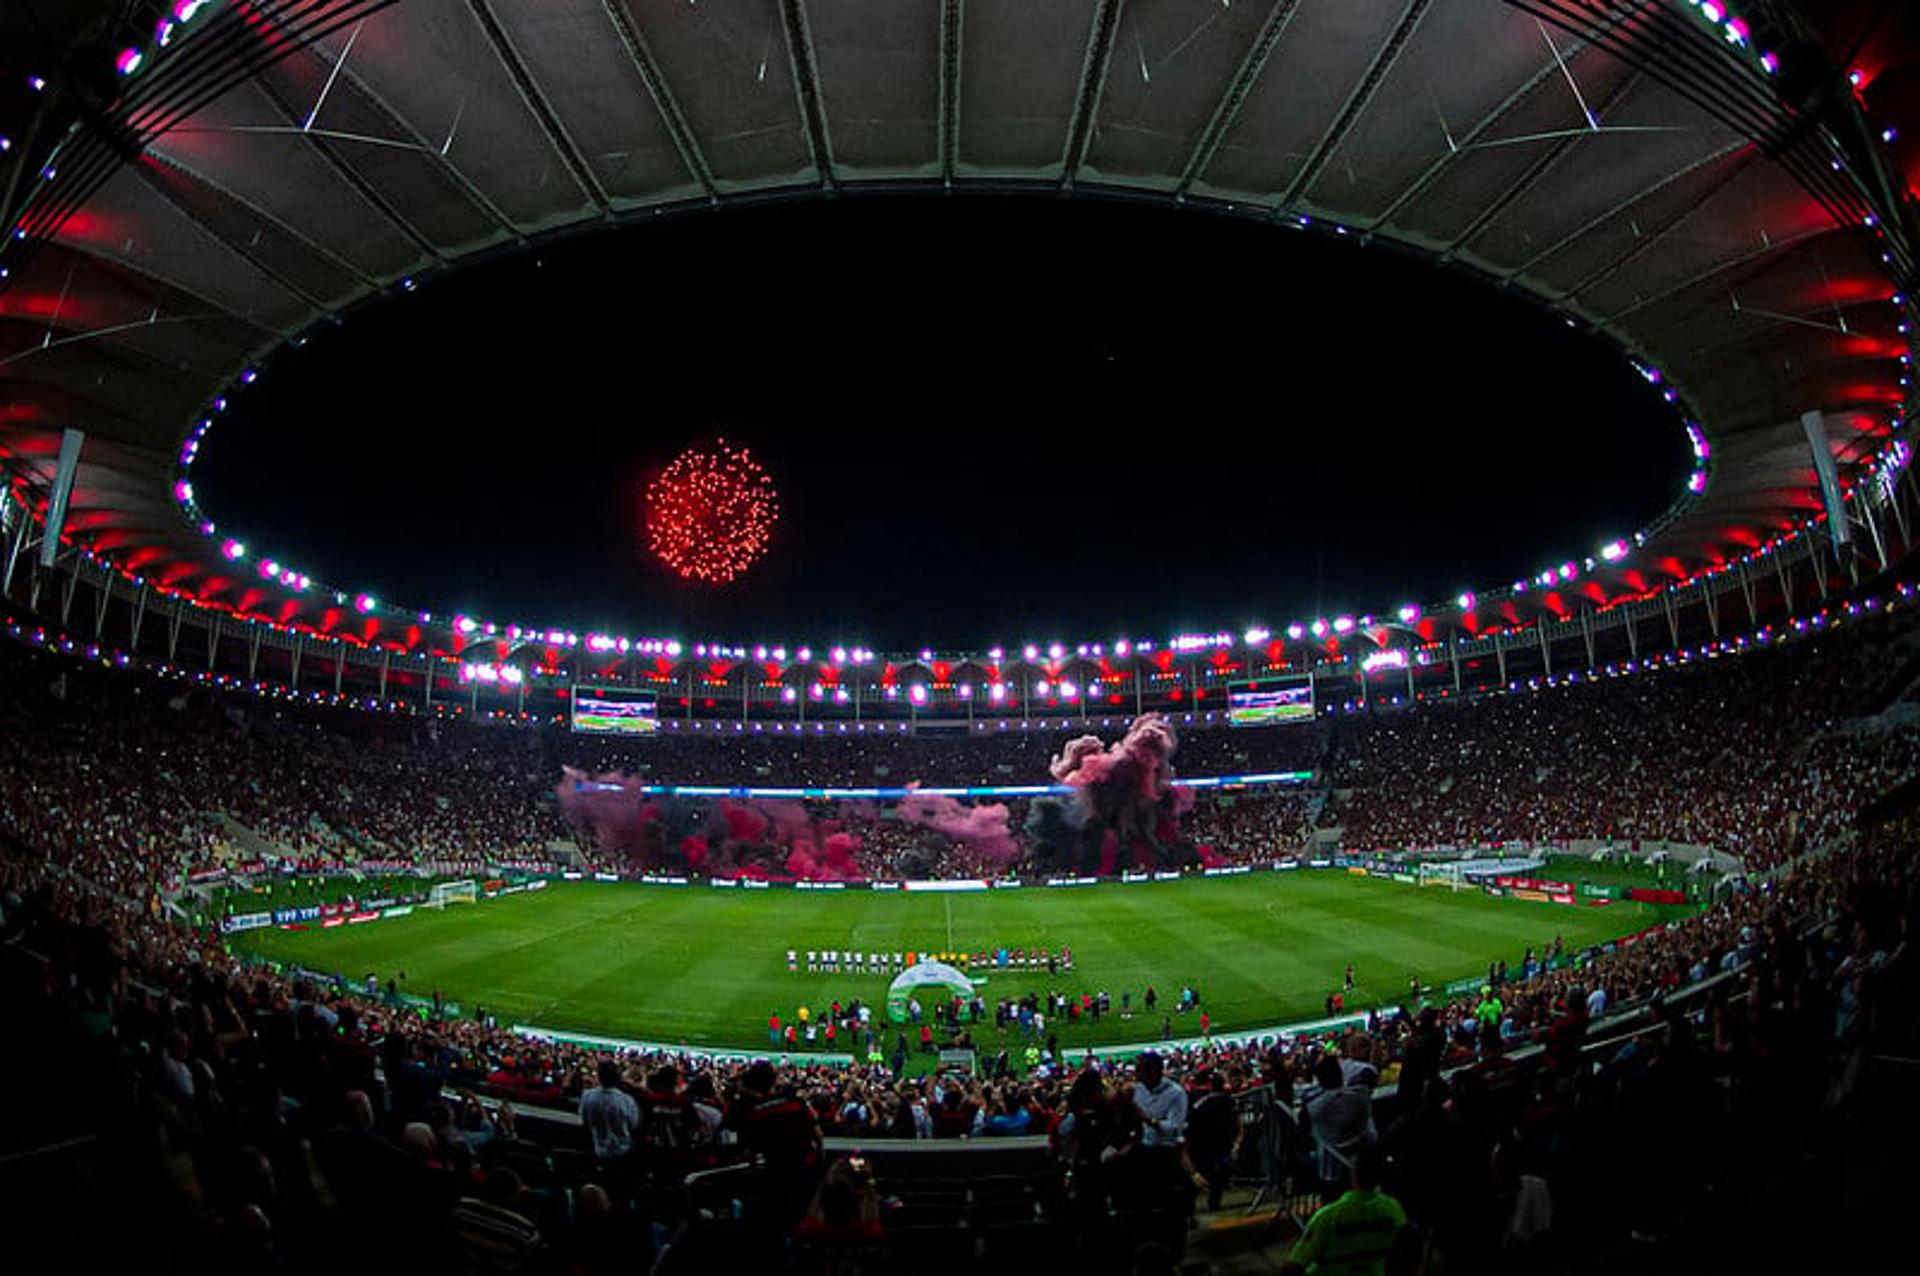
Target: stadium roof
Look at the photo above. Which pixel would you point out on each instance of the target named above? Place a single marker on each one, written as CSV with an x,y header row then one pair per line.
x,y
1695,181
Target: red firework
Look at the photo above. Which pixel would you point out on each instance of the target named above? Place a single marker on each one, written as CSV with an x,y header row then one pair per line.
x,y
710,514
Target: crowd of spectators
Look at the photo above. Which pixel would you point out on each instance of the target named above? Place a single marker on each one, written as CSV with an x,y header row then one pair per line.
x,y
1753,754
274,1110
1758,755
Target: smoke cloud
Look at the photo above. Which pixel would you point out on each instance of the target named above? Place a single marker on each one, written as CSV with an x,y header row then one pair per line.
x,y
1124,812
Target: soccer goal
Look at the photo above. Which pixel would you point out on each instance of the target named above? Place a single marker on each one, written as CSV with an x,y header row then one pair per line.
x,y
461,892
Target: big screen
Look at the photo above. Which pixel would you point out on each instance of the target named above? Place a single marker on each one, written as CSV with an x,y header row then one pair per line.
x,y
1268,706
614,711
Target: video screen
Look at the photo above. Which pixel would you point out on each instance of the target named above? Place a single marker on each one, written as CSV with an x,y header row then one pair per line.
x,y
1271,706
612,711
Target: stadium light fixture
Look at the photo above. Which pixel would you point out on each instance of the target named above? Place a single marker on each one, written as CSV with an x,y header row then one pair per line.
x,y
1466,600
1296,631
1257,635
1342,624
1409,613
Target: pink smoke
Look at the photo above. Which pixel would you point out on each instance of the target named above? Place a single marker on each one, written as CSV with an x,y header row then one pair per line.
x,y
981,829
1142,757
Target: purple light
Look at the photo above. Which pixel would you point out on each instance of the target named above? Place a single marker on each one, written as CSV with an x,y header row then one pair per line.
x,y
128,61
1770,63
234,550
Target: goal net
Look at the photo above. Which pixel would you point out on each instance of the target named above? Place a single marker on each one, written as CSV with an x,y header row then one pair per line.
x,y
462,892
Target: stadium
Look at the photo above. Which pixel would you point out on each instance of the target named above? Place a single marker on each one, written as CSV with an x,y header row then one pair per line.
x,y
864,638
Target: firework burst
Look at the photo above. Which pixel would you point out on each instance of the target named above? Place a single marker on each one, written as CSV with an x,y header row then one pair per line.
x,y
710,514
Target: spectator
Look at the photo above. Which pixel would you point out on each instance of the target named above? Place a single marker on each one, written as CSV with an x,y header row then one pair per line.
x,y
1356,1235
610,1115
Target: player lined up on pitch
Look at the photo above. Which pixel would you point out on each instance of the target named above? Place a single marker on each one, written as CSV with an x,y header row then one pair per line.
x,y
836,961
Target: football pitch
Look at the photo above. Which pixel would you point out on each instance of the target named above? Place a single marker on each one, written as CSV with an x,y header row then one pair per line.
x,y
705,968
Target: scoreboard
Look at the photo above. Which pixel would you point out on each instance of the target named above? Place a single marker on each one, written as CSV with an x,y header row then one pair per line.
x,y
615,711
1270,706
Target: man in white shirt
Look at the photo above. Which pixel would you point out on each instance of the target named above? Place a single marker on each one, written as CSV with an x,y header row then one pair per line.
x,y
1162,1104
1157,1162
610,1114
1597,1002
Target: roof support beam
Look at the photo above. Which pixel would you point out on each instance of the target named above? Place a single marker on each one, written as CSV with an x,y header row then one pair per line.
x,y
452,171
252,209
1606,215
1536,171
537,104
663,101
953,19
1357,101
806,85
1419,185
1720,267
1228,109
242,251
1093,84
347,173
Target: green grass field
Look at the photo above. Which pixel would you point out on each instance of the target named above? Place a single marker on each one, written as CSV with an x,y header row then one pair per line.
x,y
706,968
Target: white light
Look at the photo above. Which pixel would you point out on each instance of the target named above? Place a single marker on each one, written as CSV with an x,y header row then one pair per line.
x,y
1257,635
1409,614
1343,624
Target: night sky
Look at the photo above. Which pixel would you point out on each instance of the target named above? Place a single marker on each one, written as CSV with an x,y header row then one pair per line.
x,y
990,419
